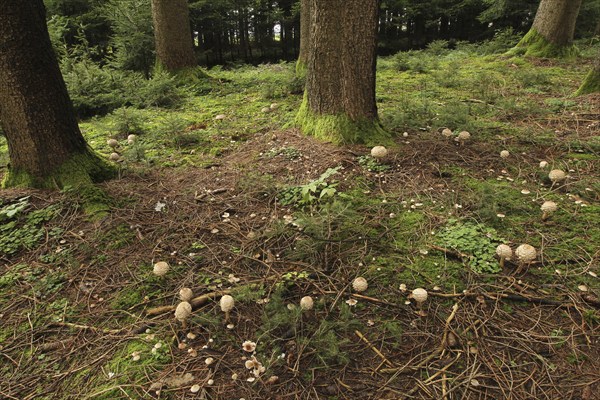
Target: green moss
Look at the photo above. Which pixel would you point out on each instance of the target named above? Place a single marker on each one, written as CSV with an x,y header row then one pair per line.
x,y
340,129
591,83
301,69
535,45
78,174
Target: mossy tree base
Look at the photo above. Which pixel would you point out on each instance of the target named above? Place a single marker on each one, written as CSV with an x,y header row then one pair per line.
x,y
535,45
340,129
301,69
78,174
591,83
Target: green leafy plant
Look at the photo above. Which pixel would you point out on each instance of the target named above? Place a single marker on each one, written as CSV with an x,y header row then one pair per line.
x,y
371,164
317,191
476,240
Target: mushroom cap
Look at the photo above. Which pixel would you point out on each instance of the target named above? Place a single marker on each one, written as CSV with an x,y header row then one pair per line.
x,y
464,135
504,251
543,164
378,152
220,117
419,294
557,175
274,106
112,142
161,268
131,138
306,303
227,302
360,284
447,132
114,157
504,154
266,109
183,311
526,253
186,294
549,207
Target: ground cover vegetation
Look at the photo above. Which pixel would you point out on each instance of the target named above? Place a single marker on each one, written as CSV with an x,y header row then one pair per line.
x,y
214,178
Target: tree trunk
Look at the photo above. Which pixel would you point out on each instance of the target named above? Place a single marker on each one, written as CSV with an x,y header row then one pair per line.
x,y
45,145
552,32
305,29
173,35
339,100
591,83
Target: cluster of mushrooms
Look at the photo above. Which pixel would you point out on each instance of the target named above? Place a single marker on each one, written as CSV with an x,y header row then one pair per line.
x,y
114,145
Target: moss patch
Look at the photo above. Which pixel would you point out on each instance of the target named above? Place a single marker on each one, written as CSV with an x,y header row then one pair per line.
x,y
340,129
591,83
535,45
79,174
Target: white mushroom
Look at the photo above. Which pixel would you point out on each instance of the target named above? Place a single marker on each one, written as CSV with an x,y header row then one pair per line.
x,y
447,132
266,109
186,294
557,176
306,303
131,139
548,208
525,254
360,284
114,157
182,312
161,268
112,143
227,303
420,295
274,106
504,154
504,252
543,164
463,137
378,152
220,117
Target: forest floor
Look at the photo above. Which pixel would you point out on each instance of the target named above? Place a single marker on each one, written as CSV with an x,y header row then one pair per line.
x,y
247,206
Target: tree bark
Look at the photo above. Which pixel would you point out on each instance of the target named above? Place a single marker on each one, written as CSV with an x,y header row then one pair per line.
x,y
173,35
305,29
46,147
339,100
553,29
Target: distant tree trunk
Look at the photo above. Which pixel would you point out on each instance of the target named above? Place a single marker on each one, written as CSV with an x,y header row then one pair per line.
x,y
173,35
552,32
591,83
305,29
339,100
45,145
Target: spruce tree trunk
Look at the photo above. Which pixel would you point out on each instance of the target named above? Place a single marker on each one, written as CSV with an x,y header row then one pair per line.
x,y
45,145
552,32
305,29
591,83
339,100
173,35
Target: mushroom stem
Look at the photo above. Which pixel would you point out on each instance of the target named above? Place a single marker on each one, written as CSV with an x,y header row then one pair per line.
x,y
226,316
184,325
502,262
545,216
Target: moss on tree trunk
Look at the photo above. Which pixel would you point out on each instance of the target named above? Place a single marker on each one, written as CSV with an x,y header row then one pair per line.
x,y
591,83
45,145
339,100
551,35
340,129
535,45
